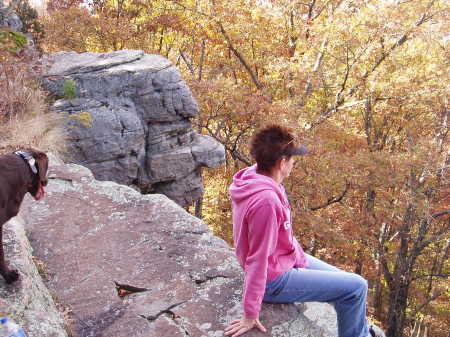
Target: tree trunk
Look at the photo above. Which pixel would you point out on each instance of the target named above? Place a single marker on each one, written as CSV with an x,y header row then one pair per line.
x,y
370,205
378,295
199,208
359,261
378,291
399,285
398,301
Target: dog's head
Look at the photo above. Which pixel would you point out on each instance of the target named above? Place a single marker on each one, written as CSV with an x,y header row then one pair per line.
x,y
37,187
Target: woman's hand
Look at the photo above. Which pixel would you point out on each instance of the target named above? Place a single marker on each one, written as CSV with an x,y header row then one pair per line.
x,y
241,326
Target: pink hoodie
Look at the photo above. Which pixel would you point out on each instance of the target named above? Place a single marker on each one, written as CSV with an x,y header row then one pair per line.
x,y
262,233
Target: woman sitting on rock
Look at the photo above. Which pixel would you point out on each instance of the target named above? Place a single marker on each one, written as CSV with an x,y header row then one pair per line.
x,y
276,268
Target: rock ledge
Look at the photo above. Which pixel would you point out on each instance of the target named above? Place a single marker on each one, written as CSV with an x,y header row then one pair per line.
x,y
91,233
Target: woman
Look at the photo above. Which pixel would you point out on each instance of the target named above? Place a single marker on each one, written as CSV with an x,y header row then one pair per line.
x,y
276,268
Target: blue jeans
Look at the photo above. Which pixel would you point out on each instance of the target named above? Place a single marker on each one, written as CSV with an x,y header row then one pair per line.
x,y
321,282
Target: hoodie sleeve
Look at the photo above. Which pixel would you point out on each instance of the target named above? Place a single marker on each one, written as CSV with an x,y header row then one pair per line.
x,y
262,240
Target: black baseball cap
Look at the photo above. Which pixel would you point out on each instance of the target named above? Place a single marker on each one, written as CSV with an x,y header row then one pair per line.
x,y
298,150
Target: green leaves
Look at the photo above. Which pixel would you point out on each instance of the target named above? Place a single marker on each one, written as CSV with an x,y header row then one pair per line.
x,y
69,89
11,41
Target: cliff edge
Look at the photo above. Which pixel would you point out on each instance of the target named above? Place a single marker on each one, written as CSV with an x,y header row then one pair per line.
x,y
91,233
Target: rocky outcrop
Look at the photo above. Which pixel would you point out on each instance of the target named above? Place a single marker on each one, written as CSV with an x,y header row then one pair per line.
x,y
9,18
28,301
129,121
91,233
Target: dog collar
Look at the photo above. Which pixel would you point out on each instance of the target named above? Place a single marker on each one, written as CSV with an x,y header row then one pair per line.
x,y
29,159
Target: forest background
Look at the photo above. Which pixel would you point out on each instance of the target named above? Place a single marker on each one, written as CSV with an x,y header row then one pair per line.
x,y
363,83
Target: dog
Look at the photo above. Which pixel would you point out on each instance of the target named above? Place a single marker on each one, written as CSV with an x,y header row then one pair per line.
x,y
20,172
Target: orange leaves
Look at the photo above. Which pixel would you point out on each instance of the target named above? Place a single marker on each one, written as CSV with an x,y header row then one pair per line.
x,y
170,21
222,97
380,93
53,5
69,28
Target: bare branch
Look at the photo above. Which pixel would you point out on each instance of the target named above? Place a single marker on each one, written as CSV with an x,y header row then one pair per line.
x,y
317,65
240,57
430,275
425,303
435,237
189,64
311,8
232,150
202,60
438,214
332,200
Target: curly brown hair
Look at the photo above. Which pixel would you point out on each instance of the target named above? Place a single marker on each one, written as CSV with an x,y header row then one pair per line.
x,y
270,144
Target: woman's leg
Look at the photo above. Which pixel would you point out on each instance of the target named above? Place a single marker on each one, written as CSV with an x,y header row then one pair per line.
x,y
347,291
316,264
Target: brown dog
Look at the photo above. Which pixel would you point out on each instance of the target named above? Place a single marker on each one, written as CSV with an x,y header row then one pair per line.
x,y
20,172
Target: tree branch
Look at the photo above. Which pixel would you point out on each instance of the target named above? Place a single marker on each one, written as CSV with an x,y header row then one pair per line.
x,y
340,100
232,150
332,200
430,275
425,303
317,65
438,214
202,60
386,272
240,57
435,237
191,69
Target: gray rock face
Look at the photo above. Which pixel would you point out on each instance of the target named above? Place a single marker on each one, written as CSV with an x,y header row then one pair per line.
x,y
130,121
9,18
91,233
27,302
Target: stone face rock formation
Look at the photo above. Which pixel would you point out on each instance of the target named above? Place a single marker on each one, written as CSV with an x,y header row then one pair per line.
x,y
128,120
91,233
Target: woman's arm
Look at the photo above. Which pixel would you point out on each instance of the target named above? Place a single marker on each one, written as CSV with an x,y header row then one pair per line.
x,y
262,241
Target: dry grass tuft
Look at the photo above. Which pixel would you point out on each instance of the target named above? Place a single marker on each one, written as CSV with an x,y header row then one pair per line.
x,y
41,131
24,118
36,129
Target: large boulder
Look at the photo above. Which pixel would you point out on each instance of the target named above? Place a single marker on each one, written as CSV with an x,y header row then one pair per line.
x,y
129,121
8,18
91,233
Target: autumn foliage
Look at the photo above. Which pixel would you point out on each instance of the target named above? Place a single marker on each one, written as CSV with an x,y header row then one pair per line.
x,y
363,83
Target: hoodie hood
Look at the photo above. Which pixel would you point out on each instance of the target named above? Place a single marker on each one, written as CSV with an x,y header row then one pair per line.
x,y
247,182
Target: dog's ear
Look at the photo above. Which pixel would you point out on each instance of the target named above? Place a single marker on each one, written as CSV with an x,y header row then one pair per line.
x,y
42,164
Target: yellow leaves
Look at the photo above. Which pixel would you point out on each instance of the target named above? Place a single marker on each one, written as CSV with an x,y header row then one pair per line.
x,y
84,117
216,203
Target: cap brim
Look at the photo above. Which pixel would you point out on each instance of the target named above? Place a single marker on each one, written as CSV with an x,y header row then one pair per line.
x,y
300,150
